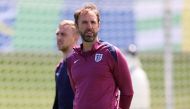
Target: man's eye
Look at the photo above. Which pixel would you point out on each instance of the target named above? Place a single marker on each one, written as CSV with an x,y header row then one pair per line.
x,y
93,22
84,22
62,34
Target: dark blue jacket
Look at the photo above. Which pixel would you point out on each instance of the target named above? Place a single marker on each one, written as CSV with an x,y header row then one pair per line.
x,y
64,94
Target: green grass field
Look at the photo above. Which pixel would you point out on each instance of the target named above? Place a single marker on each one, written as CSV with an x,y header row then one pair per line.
x,y
27,80
153,64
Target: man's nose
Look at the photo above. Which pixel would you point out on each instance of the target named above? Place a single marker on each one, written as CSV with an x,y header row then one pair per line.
x,y
58,36
89,25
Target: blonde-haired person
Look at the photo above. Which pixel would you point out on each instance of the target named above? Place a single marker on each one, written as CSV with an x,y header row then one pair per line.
x,y
66,37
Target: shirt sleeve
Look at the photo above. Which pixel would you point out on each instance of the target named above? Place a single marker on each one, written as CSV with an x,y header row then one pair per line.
x,y
123,80
69,64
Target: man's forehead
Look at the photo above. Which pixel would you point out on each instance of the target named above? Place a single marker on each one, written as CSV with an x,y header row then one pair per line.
x,y
86,16
65,28
62,29
87,12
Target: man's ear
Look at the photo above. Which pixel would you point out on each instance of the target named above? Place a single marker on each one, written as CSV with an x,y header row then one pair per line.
x,y
76,25
99,25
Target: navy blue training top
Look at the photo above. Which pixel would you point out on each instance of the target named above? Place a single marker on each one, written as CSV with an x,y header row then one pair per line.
x,y
64,94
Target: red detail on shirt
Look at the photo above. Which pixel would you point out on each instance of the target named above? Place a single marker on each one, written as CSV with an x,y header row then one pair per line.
x,y
96,84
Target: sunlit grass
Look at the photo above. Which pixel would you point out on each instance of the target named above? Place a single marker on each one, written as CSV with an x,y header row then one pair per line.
x,y
27,80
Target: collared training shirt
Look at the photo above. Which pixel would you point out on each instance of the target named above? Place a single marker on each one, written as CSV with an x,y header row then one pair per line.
x,y
96,78
64,93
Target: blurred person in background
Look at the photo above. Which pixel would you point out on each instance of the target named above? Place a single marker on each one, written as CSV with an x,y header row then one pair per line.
x,y
67,36
141,99
97,69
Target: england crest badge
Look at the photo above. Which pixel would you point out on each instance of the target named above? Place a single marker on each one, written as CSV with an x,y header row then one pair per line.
x,y
98,57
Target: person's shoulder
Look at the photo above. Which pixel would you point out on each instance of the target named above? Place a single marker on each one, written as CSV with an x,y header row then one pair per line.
x,y
59,65
110,50
74,51
109,47
106,45
77,49
71,57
